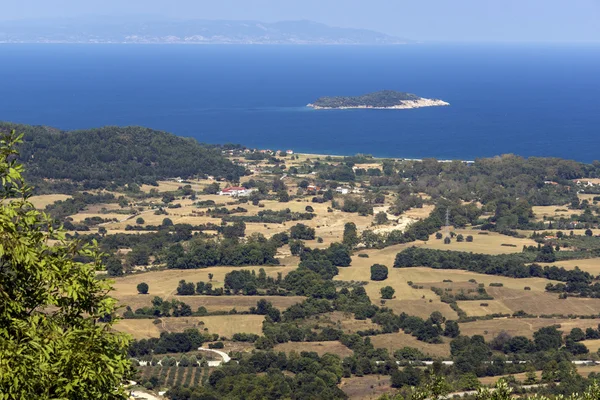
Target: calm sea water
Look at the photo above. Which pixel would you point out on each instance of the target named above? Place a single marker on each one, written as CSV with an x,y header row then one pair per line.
x,y
523,99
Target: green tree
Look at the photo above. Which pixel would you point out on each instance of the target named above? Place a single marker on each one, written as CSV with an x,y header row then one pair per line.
x,y
140,221
142,288
350,235
381,218
379,272
387,292
52,343
114,267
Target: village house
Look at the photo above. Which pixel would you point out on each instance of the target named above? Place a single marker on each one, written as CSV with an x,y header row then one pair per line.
x,y
234,191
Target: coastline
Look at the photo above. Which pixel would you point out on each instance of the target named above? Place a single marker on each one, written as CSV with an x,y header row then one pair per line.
x,y
405,105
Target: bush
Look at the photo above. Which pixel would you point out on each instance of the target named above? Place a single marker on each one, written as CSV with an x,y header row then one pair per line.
x,y
469,238
387,292
496,284
363,255
460,238
142,288
379,272
140,221
302,232
216,345
439,235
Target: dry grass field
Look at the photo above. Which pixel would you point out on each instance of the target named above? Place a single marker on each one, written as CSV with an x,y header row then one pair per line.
x,y
217,303
485,244
164,283
522,326
223,325
591,265
395,341
508,300
366,387
554,212
318,347
593,345
40,202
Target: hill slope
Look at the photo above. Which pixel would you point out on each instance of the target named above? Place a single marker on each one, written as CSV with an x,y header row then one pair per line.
x,y
161,30
117,154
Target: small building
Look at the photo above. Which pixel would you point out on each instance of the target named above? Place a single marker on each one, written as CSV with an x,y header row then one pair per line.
x,y
342,190
234,191
289,152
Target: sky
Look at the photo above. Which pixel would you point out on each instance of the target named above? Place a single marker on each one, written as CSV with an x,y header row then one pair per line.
x,y
426,20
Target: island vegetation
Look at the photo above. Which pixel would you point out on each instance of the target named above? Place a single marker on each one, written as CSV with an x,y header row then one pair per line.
x,y
385,99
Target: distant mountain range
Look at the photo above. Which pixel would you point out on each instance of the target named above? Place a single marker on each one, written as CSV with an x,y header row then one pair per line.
x,y
123,30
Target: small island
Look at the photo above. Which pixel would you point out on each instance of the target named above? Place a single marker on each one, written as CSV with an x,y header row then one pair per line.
x,y
385,99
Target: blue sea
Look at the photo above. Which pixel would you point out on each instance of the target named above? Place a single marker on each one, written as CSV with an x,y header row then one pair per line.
x,y
531,100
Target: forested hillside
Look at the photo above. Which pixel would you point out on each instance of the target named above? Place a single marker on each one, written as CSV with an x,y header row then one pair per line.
x,y
117,154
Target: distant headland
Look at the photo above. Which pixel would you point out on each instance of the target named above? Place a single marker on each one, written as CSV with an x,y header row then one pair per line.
x,y
385,99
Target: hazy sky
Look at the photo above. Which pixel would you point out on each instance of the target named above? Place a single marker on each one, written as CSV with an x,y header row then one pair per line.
x,y
448,20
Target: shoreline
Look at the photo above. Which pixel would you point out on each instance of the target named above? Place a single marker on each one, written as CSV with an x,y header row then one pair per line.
x,y
385,158
405,105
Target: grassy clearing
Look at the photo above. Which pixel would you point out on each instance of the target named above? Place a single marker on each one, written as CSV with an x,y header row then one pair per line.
x,y
40,202
532,302
217,303
591,265
317,347
366,387
223,325
554,212
395,341
593,345
164,283
492,243
522,326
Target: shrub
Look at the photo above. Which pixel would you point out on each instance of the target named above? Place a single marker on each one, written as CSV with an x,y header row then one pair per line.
x,y
439,235
363,255
216,345
387,292
142,288
379,272
140,221
469,238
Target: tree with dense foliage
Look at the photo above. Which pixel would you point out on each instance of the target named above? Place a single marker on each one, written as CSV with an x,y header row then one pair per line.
x,y
302,232
117,154
387,292
52,343
379,272
350,237
142,288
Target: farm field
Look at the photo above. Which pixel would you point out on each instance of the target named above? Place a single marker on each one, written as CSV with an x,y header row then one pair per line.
x,y
396,341
554,212
317,347
369,387
223,325
492,243
216,303
522,326
164,283
591,265
508,300
41,201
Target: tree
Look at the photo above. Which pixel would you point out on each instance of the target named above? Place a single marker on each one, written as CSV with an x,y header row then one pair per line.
x,y
210,276
142,288
588,232
283,196
65,353
302,232
387,292
438,235
379,272
140,221
469,238
114,267
447,240
381,218
213,188
350,235
452,329
102,231
460,238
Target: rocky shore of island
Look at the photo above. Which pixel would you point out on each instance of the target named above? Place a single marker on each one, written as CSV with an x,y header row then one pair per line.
x,y
403,105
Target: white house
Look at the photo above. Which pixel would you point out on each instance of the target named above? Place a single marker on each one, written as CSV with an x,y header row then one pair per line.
x,y
342,190
234,191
